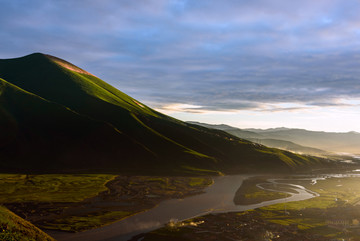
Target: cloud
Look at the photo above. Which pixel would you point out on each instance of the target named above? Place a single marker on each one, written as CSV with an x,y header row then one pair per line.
x,y
218,55
177,107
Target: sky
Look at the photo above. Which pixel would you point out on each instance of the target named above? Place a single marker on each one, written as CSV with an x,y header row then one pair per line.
x,y
249,64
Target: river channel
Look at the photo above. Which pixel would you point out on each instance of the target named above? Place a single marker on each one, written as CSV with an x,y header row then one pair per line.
x,y
217,198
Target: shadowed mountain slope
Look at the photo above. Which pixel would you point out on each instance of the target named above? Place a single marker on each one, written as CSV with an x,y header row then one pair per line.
x,y
39,134
58,117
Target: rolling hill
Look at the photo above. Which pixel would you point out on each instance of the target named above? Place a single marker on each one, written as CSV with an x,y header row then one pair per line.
x,y
56,117
268,140
291,146
329,141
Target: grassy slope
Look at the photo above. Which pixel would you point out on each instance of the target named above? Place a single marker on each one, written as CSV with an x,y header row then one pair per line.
x,y
174,145
92,97
36,133
12,228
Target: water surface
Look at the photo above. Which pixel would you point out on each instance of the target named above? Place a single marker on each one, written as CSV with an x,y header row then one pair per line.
x,y
216,199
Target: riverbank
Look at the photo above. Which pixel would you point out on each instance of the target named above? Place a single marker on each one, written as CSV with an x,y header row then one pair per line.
x,y
247,226
75,203
217,198
332,215
267,223
255,190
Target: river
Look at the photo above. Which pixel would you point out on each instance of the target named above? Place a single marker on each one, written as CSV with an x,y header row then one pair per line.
x,y
216,198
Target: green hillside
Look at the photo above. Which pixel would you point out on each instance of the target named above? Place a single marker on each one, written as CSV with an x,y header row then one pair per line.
x,y
12,228
57,117
37,134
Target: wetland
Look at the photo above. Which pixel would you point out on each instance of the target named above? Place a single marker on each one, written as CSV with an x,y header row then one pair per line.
x,y
109,207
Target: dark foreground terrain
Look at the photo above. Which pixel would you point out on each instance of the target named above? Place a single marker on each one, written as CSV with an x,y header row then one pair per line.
x,y
334,215
72,203
263,224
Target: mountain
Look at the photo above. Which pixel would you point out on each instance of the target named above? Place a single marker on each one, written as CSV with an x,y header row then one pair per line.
x,y
39,133
57,117
245,134
260,138
268,130
329,141
291,146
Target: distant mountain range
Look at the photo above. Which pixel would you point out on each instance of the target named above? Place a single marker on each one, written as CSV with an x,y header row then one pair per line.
x,y
297,140
57,117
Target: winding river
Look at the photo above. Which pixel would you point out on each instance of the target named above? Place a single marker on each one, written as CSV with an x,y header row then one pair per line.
x,y
217,198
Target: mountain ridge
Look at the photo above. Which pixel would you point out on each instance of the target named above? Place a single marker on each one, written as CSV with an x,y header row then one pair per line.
x,y
324,141
146,138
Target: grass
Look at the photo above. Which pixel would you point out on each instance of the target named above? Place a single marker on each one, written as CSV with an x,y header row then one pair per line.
x,y
249,193
198,181
301,218
263,195
289,161
303,223
310,215
14,228
331,195
98,123
67,188
172,234
200,171
37,134
51,187
191,181
333,192
51,201
80,223
185,149
304,219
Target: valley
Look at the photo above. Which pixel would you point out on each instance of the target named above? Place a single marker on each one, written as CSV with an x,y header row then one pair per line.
x,y
249,207
179,120
80,202
84,161
332,214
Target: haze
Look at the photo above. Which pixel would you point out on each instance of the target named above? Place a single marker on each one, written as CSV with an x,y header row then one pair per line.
x,y
249,64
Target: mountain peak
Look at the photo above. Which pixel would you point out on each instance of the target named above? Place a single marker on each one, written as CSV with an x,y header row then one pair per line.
x,y
81,122
67,64
29,56
37,56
